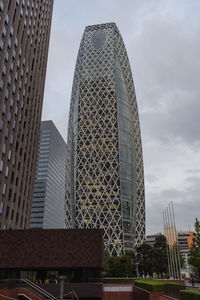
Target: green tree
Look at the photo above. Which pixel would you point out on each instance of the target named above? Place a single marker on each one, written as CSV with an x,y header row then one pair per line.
x,y
107,258
126,266
194,254
159,255
131,254
144,259
119,266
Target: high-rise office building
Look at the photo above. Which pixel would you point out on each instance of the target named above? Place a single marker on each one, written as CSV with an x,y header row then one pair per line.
x,y
105,181
24,40
49,186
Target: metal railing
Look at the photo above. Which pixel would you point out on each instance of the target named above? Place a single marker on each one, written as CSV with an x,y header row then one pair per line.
x,y
39,289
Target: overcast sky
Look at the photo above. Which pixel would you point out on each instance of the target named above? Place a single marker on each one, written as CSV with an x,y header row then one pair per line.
x,y
162,38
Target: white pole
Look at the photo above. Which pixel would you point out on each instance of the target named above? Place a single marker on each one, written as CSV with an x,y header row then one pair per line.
x,y
171,243
177,249
167,246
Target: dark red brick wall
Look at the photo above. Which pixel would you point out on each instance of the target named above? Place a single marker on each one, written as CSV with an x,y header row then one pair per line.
x,y
14,292
51,249
117,296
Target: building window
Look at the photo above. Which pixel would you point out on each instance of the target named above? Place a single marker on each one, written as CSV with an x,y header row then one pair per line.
x,y
1,44
7,19
1,6
4,189
7,211
11,66
6,133
7,94
1,124
4,108
4,70
9,79
7,171
11,139
11,31
9,43
1,83
4,148
17,217
7,56
1,207
9,116
1,165
9,154
4,31
9,194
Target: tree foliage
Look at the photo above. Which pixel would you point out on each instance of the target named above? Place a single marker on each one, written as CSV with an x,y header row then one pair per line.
x,y
159,255
148,259
120,266
153,259
194,254
144,259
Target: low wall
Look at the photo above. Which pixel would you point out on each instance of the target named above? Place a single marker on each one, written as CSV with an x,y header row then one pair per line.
x,y
13,293
117,296
141,294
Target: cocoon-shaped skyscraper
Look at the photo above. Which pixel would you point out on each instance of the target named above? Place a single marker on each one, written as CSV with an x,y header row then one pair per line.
x,y
105,180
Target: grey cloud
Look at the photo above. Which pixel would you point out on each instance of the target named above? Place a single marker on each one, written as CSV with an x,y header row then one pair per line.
x,y
193,171
186,206
151,178
167,71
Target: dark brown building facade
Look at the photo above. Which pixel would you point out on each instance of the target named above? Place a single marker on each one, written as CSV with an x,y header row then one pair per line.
x,y
24,41
51,249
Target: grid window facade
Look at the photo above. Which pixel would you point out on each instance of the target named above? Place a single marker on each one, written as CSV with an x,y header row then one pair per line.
x,y
24,39
49,187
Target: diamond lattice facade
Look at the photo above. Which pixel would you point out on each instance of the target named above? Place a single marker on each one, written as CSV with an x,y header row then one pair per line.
x,y
105,181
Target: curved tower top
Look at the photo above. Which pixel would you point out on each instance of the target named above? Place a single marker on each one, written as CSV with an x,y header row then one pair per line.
x,y
105,181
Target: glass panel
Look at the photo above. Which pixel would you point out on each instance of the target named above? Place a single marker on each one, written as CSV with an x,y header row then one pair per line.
x,y
124,110
125,124
127,209
127,190
126,171
128,227
126,154
125,139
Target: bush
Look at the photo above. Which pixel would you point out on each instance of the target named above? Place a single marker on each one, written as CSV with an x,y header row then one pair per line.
x,y
151,285
189,295
118,280
157,286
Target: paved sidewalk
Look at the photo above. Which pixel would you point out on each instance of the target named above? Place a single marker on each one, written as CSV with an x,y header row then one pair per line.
x,y
195,286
